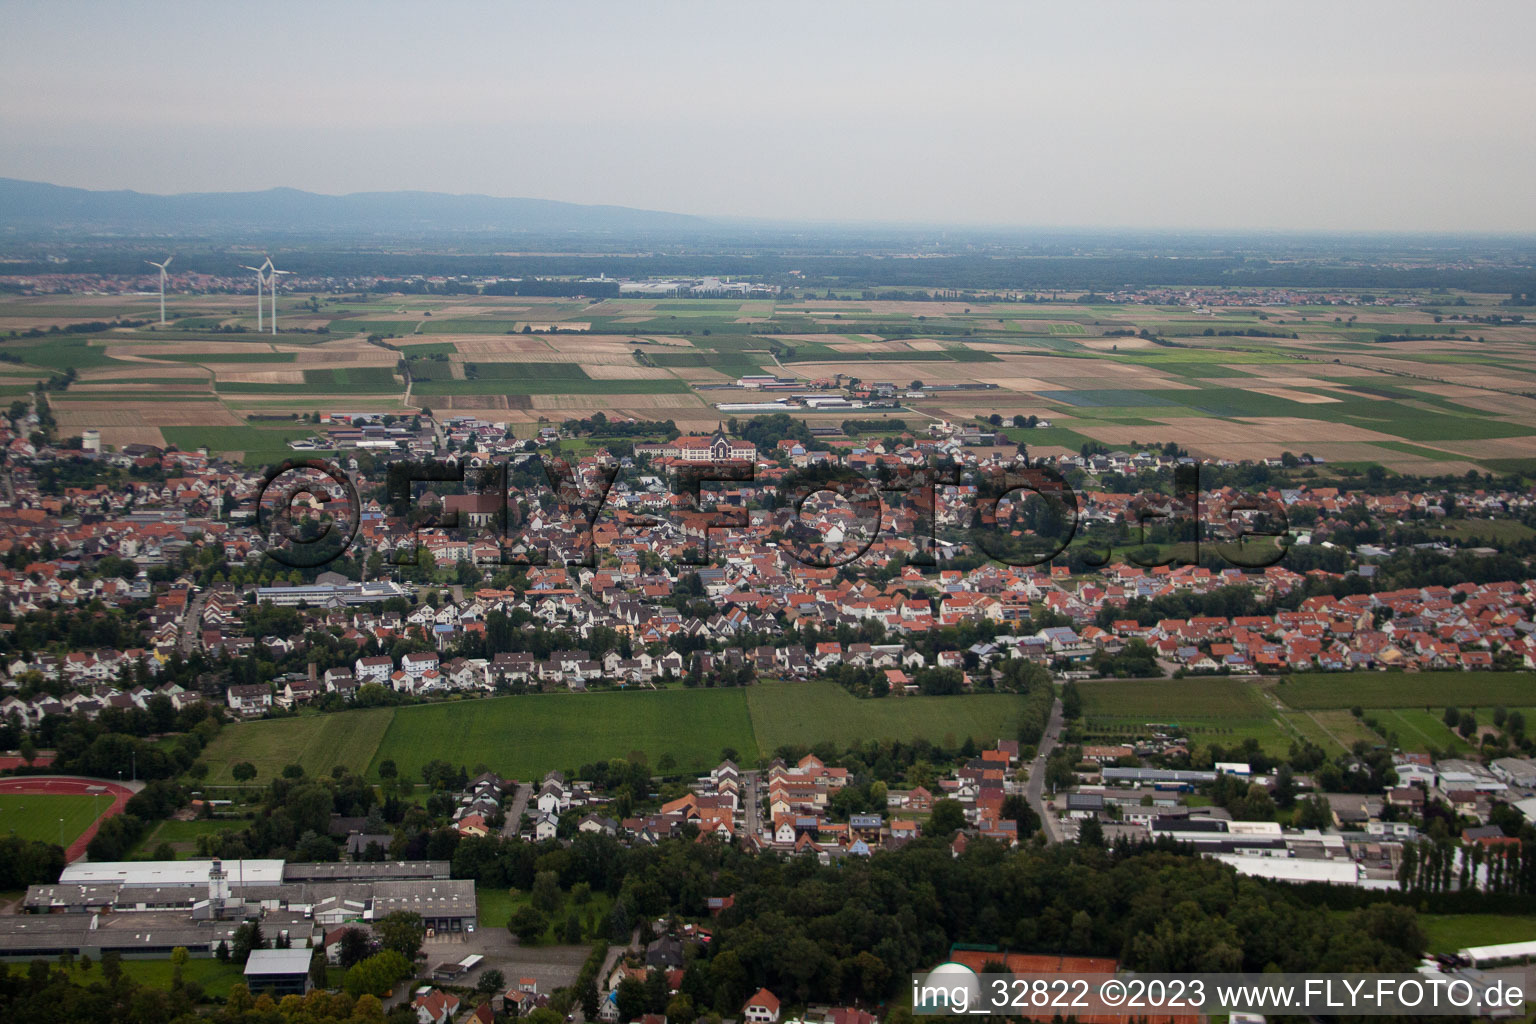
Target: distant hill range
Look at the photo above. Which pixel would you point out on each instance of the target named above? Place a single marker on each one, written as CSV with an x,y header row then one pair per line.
x,y
37,206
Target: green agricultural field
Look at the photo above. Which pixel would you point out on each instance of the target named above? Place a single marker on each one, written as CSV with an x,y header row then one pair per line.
x,y
811,713
738,363
215,977
350,379
1343,728
1111,397
517,371
37,817
59,352
183,835
1215,710
1419,730
1171,700
1317,690
496,907
318,742
1303,726
1492,532
524,737
1450,933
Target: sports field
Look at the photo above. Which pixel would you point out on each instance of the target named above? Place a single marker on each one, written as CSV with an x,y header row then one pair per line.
x,y
38,817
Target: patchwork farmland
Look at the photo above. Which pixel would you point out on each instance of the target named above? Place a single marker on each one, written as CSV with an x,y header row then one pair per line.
x,y
1391,386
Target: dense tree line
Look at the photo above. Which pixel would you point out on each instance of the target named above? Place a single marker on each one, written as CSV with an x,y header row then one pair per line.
x,y
810,932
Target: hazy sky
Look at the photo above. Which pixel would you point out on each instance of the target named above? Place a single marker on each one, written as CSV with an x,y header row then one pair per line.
x,y
1375,115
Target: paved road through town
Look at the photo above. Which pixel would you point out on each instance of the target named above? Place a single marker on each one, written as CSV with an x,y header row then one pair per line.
x,y
519,805
1035,791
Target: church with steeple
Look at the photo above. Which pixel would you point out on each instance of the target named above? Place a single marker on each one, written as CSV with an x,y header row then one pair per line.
x,y
716,447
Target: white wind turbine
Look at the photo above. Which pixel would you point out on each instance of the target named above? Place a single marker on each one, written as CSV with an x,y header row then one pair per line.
x,y
272,280
162,267
261,280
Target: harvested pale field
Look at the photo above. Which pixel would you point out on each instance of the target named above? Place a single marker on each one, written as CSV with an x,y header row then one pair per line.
x,y
551,320
144,413
180,387
1074,367
80,415
883,347
932,310
1302,397
638,319
167,372
390,316
295,377
1463,394
186,414
618,307
119,436
1021,384
901,373
704,375
1287,432
699,424
460,310
1515,408
491,346
348,401
1353,451
470,402
292,322
1116,381
1109,344
665,340
1508,380
1473,374
618,371
853,342
1495,448
608,349
1428,467
997,348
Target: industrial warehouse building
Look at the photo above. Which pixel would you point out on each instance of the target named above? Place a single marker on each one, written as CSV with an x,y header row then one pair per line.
x,y
282,972
147,908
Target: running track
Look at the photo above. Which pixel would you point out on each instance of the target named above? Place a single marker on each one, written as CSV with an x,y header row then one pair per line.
x,y
71,785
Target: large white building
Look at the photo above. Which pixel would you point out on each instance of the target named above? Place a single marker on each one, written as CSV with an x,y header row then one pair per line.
x,y
714,447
